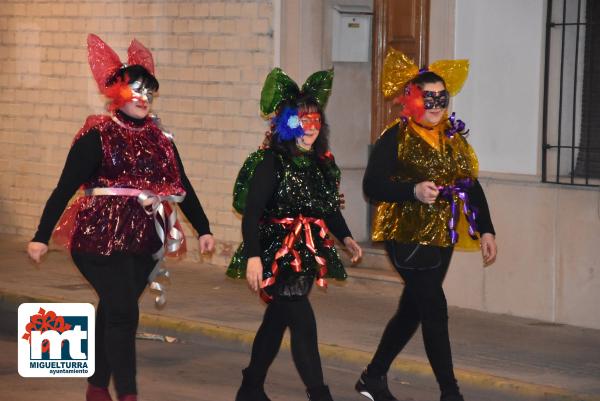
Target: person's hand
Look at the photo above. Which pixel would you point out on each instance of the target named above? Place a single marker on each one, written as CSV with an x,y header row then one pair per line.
x,y
342,201
206,243
354,249
254,273
36,250
489,250
426,192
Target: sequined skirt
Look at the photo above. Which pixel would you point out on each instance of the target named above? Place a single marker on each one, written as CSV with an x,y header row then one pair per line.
x,y
106,224
288,280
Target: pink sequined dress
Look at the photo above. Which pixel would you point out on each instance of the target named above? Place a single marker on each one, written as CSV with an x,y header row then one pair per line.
x,y
137,155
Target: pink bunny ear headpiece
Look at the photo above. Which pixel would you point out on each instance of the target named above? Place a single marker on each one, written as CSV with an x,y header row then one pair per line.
x,y
138,54
104,62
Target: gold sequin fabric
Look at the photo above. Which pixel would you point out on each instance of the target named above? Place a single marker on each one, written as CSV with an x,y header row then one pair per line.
x,y
399,69
414,221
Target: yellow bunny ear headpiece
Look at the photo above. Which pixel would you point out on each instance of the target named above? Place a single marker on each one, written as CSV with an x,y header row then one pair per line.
x,y
398,69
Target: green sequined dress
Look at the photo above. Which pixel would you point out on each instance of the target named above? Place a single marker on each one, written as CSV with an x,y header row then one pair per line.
x,y
305,186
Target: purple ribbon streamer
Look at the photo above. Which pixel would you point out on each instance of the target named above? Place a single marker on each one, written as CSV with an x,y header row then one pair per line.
x,y
456,126
460,188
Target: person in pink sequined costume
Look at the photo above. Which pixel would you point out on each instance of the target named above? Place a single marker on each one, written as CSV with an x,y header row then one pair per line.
x,y
131,175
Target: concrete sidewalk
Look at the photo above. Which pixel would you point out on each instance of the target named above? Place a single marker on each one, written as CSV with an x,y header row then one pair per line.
x,y
545,361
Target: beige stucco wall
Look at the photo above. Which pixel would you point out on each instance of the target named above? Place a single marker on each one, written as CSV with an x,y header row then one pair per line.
x,y
548,265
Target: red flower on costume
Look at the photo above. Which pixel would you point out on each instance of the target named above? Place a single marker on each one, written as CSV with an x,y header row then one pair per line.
x,y
328,155
120,93
412,102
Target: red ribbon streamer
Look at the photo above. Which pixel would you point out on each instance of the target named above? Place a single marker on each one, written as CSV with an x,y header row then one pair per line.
x,y
295,227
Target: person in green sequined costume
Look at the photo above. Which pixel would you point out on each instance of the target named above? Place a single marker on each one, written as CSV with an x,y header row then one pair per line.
x,y
288,193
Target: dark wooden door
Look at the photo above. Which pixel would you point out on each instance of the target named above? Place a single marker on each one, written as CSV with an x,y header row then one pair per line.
x,y
403,25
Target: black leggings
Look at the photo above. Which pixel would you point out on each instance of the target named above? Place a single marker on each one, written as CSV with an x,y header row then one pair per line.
x,y
119,280
423,301
299,317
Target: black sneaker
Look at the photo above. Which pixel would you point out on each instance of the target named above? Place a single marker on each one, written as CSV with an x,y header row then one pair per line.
x,y
252,388
251,394
374,388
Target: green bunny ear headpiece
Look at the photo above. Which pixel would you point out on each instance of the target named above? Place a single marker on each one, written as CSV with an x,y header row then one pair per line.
x,y
279,88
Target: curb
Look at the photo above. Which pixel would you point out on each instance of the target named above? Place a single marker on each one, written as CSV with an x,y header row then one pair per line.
x,y
345,354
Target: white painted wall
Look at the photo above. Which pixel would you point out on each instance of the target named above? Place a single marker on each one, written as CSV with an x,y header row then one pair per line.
x,y
441,29
349,117
502,99
548,267
304,28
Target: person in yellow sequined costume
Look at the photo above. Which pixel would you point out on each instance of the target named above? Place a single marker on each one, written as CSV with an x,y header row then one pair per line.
x,y
422,173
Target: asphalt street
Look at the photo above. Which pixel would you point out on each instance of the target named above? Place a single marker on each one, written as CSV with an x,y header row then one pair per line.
x,y
202,369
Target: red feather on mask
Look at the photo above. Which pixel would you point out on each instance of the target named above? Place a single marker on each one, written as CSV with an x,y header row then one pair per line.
x,y
412,102
120,93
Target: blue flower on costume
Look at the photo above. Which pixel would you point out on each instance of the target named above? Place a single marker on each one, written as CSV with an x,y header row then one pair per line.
x,y
287,124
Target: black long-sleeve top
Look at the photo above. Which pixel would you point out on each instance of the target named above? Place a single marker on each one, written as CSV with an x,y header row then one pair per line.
x,y
83,160
262,187
379,185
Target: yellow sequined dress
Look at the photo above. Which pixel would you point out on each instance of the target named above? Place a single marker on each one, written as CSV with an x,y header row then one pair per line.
x,y
426,154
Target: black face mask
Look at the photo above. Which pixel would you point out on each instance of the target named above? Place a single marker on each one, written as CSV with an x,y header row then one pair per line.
x,y
436,100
